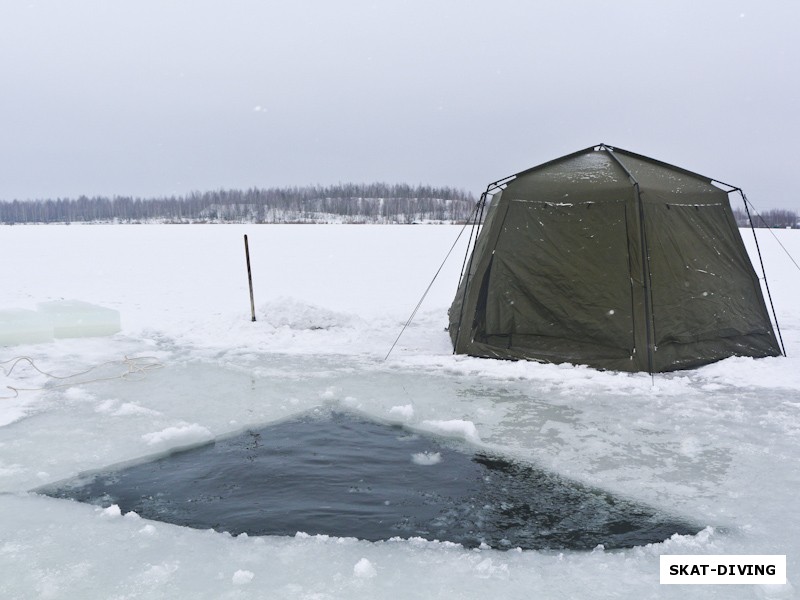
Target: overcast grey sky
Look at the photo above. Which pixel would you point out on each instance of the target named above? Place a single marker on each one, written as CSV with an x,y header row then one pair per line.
x,y
159,97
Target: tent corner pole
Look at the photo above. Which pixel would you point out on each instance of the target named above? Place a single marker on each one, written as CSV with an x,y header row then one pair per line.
x,y
477,216
648,291
763,271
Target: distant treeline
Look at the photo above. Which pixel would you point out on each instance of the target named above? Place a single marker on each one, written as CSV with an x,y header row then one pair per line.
x,y
342,203
774,219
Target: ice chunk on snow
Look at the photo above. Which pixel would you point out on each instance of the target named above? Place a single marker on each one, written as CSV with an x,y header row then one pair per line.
x,y
111,512
19,326
454,428
59,319
126,409
131,408
73,318
158,574
488,569
426,458
364,569
179,435
406,411
330,393
106,406
78,394
242,577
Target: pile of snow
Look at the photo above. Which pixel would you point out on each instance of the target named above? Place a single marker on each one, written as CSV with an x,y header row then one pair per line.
x,y
364,569
242,577
294,314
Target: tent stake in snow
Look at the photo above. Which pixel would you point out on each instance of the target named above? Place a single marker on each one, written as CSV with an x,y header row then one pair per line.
x,y
249,280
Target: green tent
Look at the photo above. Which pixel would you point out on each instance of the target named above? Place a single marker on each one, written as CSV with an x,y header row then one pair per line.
x,y
613,260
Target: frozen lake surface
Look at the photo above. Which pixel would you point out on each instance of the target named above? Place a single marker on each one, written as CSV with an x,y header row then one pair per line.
x,y
718,446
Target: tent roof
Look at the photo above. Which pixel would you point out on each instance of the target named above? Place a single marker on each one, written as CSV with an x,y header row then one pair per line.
x,y
619,154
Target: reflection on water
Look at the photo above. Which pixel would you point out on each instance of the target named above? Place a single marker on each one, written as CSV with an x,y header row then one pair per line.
x,y
344,475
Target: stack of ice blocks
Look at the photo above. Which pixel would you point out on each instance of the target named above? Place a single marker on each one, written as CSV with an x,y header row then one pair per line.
x,y
56,319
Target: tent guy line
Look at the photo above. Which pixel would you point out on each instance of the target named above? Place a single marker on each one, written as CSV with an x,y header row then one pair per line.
x,y
430,285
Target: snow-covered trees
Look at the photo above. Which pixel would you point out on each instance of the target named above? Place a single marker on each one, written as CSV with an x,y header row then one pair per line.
x,y
348,203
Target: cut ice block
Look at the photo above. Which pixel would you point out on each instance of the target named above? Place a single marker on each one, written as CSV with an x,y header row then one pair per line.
x,y
20,326
73,318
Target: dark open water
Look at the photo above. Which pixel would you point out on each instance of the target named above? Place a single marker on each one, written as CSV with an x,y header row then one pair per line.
x,y
344,475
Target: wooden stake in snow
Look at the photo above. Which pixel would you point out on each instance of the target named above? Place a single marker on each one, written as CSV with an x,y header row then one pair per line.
x,y
249,279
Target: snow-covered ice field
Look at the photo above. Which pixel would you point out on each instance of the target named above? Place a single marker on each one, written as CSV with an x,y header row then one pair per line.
x,y
718,445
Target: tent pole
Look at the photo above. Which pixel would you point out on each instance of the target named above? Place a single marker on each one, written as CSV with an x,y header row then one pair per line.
x,y
479,207
763,272
478,215
648,291
648,298
471,233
